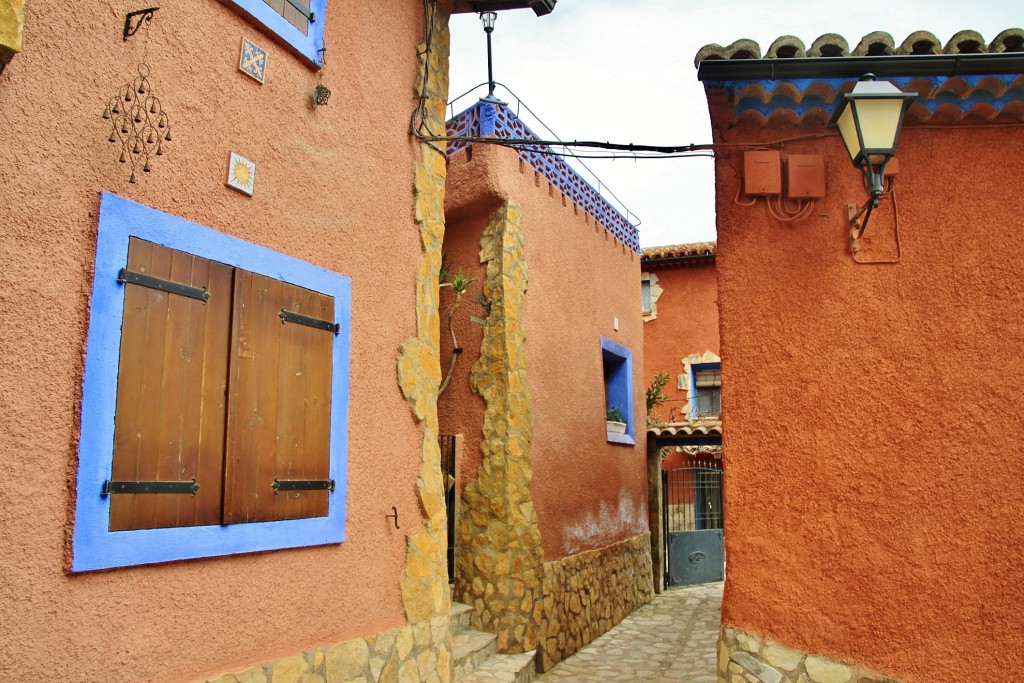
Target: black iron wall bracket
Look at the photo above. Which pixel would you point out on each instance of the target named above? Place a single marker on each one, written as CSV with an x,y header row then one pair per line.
x,y
133,21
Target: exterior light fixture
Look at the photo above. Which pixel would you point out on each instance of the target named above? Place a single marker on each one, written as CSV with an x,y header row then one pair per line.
x,y
869,120
487,19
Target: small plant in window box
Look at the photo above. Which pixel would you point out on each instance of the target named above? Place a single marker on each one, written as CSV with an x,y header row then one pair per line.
x,y
616,421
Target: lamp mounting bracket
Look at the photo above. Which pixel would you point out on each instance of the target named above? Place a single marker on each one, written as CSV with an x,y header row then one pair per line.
x,y
133,21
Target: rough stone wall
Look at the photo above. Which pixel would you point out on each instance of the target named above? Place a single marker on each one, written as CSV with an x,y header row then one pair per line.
x,y
745,657
425,585
501,574
412,653
588,593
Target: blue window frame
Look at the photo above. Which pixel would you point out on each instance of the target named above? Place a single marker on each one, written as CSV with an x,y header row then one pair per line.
x,y
94,546
310,44
618,387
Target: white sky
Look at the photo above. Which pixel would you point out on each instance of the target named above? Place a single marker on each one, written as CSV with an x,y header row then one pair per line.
x,y
622,71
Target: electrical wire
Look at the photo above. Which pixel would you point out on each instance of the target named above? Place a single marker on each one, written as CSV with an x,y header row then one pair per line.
x,y
739,187
896,223
420,112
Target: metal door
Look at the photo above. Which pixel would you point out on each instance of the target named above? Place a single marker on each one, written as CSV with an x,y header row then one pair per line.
x,y
694,520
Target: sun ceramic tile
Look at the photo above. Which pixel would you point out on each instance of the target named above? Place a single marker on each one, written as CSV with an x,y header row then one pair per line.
x,y
241,174
253,60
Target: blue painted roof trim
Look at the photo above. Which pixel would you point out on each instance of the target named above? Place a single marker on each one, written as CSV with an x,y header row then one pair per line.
x,y
309,46
94,546
931,103
491,119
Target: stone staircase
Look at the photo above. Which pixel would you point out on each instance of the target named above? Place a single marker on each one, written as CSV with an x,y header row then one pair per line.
x,y
475,656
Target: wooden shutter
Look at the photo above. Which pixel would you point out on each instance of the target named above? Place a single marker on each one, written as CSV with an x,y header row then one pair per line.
x,y
280,401
172,377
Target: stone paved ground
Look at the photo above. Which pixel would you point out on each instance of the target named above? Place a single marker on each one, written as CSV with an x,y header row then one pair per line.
x,y
671,640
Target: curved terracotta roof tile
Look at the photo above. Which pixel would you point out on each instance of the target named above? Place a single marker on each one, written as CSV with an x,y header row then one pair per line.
x,y
875,44
1010,40
689,249
809,101
920,43
829,45
681,429
965,43
787,47
744,48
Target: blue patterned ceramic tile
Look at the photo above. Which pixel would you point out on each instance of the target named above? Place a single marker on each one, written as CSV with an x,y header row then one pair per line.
x,y
253,60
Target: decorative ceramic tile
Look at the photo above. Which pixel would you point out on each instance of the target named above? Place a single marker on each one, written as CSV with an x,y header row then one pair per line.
x,y
253,61
241,174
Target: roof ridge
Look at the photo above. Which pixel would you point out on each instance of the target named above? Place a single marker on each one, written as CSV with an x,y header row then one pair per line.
x,y
874,44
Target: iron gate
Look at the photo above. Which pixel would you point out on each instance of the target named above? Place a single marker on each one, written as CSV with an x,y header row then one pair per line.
x,y
447,443
694,520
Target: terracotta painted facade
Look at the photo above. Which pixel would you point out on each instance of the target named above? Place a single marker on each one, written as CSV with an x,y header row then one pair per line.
x,y
528,394
683,319
335,191
339,199
872,446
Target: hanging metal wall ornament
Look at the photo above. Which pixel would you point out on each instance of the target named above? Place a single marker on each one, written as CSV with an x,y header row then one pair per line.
x,y
321,93
138,123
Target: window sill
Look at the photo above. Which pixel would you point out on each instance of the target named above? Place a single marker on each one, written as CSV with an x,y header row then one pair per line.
x,y
624,439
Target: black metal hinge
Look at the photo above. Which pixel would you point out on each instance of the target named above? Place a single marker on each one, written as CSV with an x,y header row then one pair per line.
x,y
302,485
290,317
131,278
117,487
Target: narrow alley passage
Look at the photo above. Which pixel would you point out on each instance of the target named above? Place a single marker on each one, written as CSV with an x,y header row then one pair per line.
x,y
671,640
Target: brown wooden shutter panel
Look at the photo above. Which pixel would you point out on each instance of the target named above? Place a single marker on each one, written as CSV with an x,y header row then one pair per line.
x,y
172,376
280,401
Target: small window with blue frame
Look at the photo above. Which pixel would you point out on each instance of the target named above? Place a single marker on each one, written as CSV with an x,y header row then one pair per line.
x,y
617,364
706,390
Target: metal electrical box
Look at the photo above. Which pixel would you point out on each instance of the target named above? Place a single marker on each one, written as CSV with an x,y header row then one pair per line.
x,y
762,173
805,176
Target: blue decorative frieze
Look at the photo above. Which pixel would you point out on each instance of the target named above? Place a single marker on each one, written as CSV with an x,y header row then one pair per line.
x,y
995,97
491,119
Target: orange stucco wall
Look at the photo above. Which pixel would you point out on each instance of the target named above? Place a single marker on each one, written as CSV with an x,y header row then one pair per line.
x,y
588,493
686,323
334,187
459,409
872,434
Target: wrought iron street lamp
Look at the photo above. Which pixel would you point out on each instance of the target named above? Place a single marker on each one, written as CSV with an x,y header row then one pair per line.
x,y
487,19
869,120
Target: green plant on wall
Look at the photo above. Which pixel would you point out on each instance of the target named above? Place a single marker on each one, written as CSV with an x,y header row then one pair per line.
x,y
615,415
655,394
459,284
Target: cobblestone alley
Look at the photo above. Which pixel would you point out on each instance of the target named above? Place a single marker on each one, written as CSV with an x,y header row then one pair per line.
x,y
671,640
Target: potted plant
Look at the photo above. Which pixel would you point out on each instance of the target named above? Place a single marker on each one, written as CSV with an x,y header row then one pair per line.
x,y
615,421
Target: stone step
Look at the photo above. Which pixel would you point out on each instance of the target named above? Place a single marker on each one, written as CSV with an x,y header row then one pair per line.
x,y
503,669
470,649
460,616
